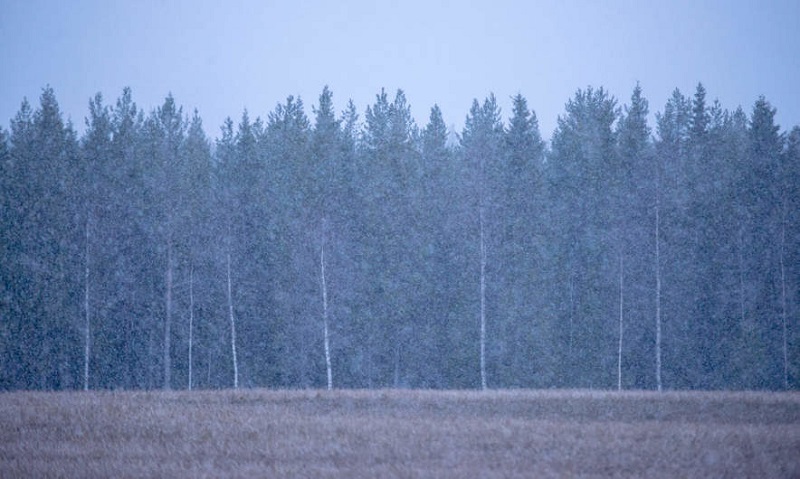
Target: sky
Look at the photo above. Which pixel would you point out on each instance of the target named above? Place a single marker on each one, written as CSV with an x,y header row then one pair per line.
x,y
221,57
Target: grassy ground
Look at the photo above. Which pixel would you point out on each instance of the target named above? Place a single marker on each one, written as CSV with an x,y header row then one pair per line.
x,y
258,433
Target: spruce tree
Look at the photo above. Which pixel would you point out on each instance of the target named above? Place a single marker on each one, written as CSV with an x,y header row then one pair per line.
x,y
634,214
583,153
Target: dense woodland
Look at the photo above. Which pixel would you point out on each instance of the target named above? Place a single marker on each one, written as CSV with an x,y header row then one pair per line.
x,y
331,249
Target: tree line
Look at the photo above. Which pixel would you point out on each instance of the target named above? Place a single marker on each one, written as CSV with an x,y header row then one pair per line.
x,y
331,251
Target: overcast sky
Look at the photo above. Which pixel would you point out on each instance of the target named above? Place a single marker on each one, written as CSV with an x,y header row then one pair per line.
x,y
223,56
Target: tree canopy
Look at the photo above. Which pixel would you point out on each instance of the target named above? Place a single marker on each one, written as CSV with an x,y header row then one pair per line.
x,y
499,259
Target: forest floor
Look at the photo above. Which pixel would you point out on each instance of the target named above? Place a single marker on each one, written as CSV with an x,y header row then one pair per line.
x,y
399,433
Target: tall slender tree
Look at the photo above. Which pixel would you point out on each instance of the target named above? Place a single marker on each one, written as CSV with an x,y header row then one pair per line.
x,y
481,143
518,204
583,154
97,150
762,241
632,191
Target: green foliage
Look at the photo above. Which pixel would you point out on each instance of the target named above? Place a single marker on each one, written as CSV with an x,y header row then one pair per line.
x,y
152,209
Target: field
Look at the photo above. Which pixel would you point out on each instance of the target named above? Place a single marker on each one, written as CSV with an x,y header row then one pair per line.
x,y
399,433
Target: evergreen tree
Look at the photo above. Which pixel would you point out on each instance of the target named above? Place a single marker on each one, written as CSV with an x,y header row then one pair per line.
x,y
790,256
295,290
634,214
673,244
442,305
200,259
43,238
94,184
482,148
519,209
388,175
583,152
761,255
7,216
126,337
165,131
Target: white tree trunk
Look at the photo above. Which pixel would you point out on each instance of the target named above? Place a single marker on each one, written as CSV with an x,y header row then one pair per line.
x,y
783,301
191,321
658,289
741,276
571,317
233,328
168,321
619,348
483,298
328,368
87,330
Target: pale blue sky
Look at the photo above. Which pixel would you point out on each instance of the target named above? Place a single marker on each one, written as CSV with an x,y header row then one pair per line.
x,y
223,56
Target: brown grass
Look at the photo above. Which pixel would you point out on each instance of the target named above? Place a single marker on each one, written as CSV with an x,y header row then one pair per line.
x,y
259,433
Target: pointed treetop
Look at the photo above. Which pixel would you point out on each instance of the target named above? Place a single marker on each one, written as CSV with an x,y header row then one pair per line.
x,y
523,139
434,135
765,139
634,133
700,115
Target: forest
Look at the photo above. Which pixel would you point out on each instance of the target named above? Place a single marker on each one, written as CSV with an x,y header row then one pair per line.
x,y
326,249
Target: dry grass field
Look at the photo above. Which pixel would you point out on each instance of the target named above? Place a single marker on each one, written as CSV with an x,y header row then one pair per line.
x,y
260,433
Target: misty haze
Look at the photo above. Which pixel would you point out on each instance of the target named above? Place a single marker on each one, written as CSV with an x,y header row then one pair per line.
x,y
331,289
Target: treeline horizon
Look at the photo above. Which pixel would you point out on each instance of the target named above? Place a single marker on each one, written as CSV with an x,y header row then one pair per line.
x,y
318,251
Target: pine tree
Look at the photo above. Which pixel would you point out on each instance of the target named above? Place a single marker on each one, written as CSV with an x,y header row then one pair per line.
x,y
44,239
196,229
96,151
166,129
125,275
671,237
287,211
790,255
633,186
762,239
438,228
519,210
6,260
481,144
583,154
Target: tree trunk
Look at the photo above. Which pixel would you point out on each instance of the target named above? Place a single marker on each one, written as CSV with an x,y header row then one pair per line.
x,y
87,330
619,348
396,365
328,368
571,318
658,288
483,298
191,321
741,276
783,300
168,321
233,328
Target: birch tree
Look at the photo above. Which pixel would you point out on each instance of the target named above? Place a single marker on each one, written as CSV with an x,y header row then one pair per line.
x,y
621,310
227,168
481,143
197,233
324,286
325,196
232,323
167,128
96,151
191,322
